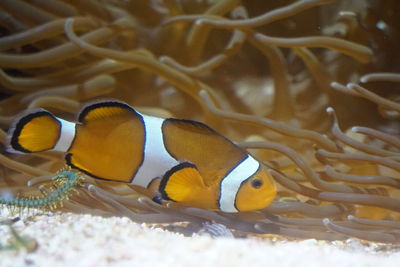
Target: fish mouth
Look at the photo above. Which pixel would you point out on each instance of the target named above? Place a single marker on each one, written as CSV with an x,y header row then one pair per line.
x,y
269,197
263,202
269,200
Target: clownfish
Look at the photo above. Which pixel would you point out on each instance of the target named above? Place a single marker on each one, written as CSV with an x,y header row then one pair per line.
x,y
198,166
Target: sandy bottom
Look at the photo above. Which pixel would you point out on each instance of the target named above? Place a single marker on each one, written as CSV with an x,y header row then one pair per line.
x,y
84,240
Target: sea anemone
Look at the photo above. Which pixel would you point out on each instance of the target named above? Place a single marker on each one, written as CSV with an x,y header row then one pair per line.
x,y
309,87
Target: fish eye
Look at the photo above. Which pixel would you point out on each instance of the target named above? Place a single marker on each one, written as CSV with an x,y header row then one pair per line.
x,y
256,183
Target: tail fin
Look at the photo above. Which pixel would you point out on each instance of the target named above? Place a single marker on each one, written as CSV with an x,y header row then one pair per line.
x,y
34,131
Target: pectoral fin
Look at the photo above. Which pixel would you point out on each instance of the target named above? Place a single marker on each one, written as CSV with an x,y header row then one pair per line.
x,y
181,182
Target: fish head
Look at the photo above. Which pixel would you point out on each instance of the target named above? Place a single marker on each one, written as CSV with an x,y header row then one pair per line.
x,y
256,192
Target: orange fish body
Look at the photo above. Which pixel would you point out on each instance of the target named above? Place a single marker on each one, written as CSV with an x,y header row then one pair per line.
x,y
112,141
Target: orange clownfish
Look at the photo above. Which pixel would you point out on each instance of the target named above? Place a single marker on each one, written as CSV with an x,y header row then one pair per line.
x,y
198,167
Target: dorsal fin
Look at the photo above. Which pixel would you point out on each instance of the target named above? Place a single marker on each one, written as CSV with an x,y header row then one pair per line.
x,y
213,154
104,109
109,141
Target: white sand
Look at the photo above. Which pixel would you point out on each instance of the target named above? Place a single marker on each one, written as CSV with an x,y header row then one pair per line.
x,y
84,240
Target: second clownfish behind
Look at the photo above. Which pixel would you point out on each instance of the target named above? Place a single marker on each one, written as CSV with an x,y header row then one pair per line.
x,y
198,166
